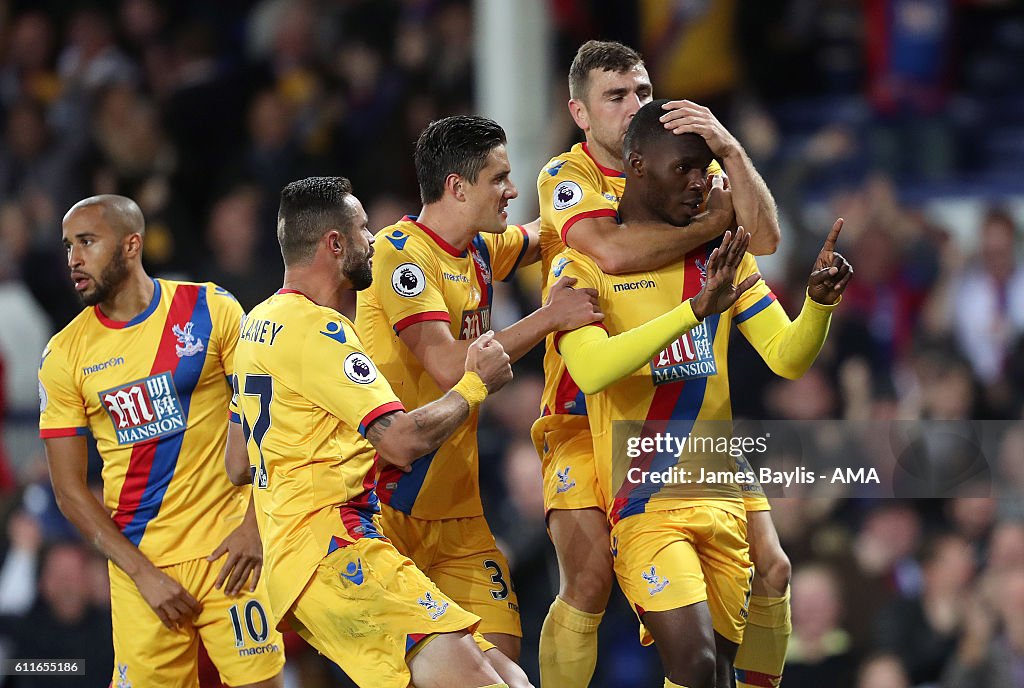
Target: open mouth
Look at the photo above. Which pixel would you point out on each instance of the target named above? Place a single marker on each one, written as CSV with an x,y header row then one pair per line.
x,y
80,281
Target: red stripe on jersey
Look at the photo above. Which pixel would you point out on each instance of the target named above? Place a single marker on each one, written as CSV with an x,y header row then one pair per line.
x,y
756,678
666,396
658,413
50,433
141,461
442,316
376,413
600,212
350,519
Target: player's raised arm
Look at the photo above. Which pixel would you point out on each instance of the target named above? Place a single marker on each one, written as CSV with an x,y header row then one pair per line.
x,y
442,355
401,438
596,360
790,347
68,460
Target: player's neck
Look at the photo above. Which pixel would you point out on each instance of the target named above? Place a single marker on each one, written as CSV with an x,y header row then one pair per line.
x,y
131,298
632,209
603,156
447,223
315,285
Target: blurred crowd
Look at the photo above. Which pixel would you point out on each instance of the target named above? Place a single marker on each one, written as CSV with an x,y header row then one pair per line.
x,y
888,113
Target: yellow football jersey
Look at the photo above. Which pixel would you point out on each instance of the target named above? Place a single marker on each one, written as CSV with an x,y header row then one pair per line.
x,y
305,394
572,187
684,383
154,393
418,277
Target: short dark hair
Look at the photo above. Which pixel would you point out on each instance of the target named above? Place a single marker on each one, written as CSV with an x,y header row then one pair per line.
x,y
608,56
454,145
309,207
646,129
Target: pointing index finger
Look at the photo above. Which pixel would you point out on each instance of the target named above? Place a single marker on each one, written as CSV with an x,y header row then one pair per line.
x,y
830,241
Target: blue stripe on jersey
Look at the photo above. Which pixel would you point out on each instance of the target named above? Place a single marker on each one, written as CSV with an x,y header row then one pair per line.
x,y
186,377
757,307
481,246
403,497
519,258
580,406
150,308
684,414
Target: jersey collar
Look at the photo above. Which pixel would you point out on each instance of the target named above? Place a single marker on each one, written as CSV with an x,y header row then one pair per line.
x,y
445,246
606,171
121,324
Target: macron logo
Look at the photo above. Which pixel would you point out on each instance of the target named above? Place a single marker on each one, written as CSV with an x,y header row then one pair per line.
x,y
97,367
633,286
397,239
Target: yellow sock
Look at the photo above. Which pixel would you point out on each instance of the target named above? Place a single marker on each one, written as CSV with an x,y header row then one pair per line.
x,y
762,654
496,685
568,646
669,684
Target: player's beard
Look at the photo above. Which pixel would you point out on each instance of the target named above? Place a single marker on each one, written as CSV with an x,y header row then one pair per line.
x,y
357,270
109,281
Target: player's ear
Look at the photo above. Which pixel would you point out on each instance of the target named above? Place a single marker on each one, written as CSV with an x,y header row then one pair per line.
x,y
636,163
454,184
133,245
579,114
334,243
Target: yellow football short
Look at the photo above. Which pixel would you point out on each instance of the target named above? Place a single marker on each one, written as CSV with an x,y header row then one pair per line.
x,y
461,557
670,559
238,632
567,464
368,608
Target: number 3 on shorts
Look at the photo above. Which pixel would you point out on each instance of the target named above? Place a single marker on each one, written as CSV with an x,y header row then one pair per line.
x,y
498,578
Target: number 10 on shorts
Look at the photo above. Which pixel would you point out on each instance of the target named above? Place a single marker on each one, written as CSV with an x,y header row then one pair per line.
x,y
254,620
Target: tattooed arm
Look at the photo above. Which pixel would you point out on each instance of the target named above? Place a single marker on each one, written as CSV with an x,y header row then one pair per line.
x,y
401,438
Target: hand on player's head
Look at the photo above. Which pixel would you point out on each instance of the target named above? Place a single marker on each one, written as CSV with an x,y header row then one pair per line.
x,y
687,117
831,273
487,358
719,293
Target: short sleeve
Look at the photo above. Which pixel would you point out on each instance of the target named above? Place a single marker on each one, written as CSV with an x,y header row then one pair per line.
x,y
61,407
344,381
507,250
227,319
570,263
570,192
408,284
